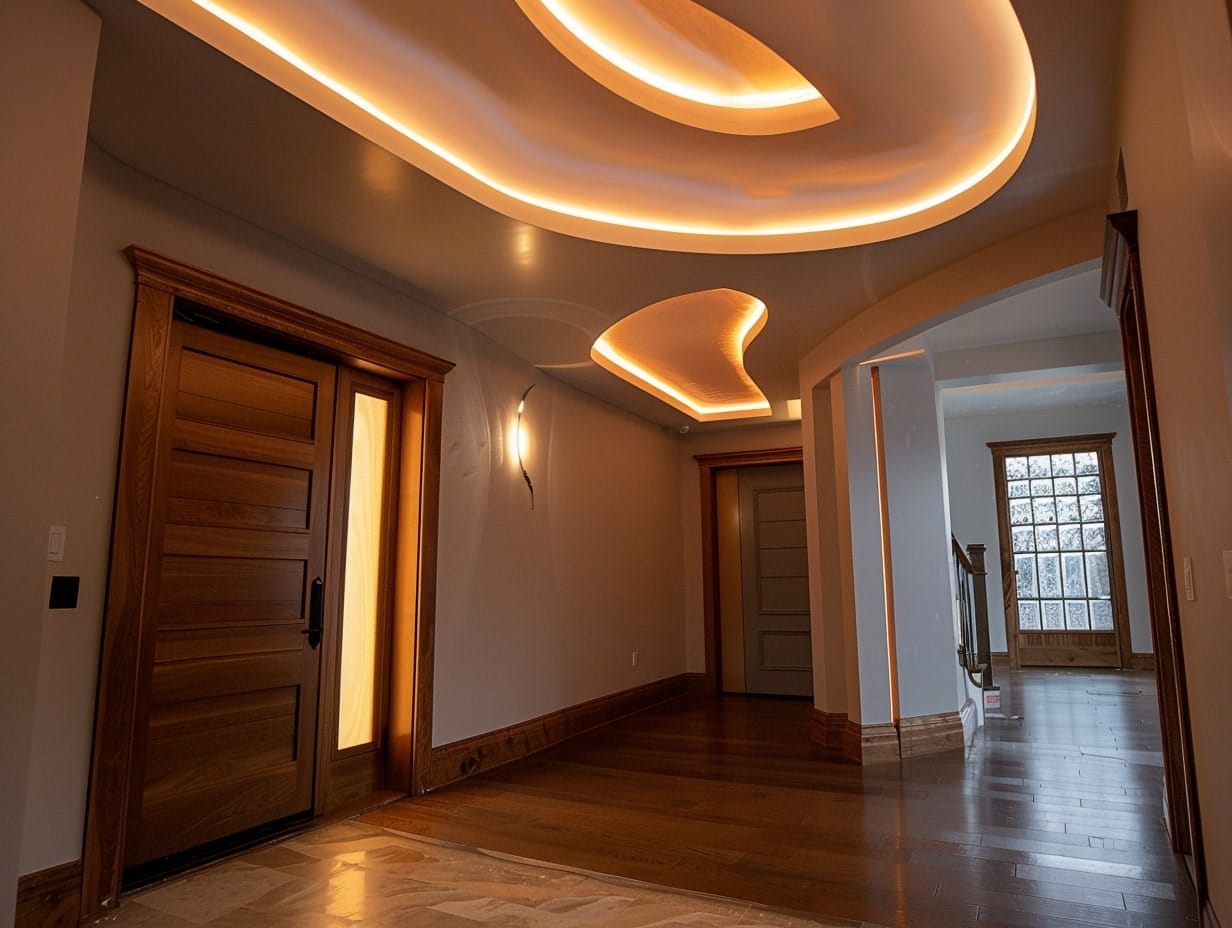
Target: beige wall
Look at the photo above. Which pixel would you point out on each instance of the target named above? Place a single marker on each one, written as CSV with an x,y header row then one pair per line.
x,y
47,53
536,609
1174,125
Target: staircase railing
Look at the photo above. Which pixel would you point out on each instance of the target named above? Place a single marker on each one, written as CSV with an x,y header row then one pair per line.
x,y
971,586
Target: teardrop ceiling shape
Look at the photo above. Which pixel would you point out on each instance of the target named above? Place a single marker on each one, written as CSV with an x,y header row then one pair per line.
x,y
680,60
688,351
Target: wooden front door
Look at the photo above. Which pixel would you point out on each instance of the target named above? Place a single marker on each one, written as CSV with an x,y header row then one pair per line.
x,y
1062,570
226,724
211,697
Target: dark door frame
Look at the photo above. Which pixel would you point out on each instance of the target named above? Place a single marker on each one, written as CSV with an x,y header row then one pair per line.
x,y
1121,288
160,282
707,465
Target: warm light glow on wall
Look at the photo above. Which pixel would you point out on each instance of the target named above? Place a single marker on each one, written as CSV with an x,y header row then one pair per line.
x,y
680,60
689,352
887,563
361,585
521,442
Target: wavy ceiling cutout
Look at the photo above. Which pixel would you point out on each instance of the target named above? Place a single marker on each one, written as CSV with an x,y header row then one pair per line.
x,y
684,62
689,352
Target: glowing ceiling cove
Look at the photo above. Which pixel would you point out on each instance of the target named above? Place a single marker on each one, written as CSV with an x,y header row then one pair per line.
x,y
682,61
689,352
488,107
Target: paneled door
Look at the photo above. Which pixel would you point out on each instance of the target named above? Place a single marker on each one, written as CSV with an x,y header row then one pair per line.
x,y
1061,562
225,734
774,563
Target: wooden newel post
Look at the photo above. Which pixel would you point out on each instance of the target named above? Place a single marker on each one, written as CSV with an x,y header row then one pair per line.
x,y
975,553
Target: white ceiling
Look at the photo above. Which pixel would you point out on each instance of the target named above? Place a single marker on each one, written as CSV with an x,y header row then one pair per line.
x,y
1036,319
176,109
1070,305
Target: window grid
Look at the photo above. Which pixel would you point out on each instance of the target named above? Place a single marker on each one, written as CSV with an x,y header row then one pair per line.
x,y
1059,542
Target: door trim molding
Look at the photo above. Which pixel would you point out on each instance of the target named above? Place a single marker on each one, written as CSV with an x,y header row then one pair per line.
x,y
707,465
1121,288
159,282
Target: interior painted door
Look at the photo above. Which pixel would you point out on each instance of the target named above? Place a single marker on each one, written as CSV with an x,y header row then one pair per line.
x,y
774,566
227,701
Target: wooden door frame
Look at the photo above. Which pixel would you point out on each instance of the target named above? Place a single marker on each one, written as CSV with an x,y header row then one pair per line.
x,y
1121,289
1102,443
160,282
707,465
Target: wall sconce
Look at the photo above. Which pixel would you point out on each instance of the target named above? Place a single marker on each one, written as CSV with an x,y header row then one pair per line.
x,y
520,440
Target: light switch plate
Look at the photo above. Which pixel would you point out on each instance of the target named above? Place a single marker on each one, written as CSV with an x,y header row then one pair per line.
x,y
56,536
1187,578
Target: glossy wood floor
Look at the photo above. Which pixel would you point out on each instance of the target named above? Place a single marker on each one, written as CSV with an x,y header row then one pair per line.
x,y
1054,821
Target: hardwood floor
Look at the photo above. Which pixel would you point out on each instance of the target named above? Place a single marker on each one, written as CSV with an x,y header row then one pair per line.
x,y
1052,821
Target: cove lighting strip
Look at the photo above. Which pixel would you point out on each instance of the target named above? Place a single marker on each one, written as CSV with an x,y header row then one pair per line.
x,y
580,211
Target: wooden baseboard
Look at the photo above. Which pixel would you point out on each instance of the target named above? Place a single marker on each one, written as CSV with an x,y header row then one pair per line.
x,y
49,898
969,718
930,734
871,744
695,684
883,741
1137,660
828,729
464,758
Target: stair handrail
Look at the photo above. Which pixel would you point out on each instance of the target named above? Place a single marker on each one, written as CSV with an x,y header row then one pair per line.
x,y
971,590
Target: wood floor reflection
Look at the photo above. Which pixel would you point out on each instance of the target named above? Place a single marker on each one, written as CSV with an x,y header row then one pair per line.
x,y
1052,821
350,873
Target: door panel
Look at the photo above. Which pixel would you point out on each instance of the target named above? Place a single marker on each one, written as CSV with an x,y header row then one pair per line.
x,y
227,716
774,565
208,488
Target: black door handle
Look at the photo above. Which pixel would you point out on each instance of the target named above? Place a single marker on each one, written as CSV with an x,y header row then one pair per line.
x,y
316,607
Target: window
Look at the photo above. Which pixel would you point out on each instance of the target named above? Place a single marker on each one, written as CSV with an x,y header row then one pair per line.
x,y
1060,543
1058,534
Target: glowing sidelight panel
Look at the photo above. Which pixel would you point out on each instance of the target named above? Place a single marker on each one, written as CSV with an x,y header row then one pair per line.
x,y
361,586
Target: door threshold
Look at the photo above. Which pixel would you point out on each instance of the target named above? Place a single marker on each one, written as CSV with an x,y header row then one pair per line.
x,y
175,866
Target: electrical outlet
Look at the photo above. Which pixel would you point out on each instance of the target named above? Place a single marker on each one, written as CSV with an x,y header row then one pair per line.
x,y
634,659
